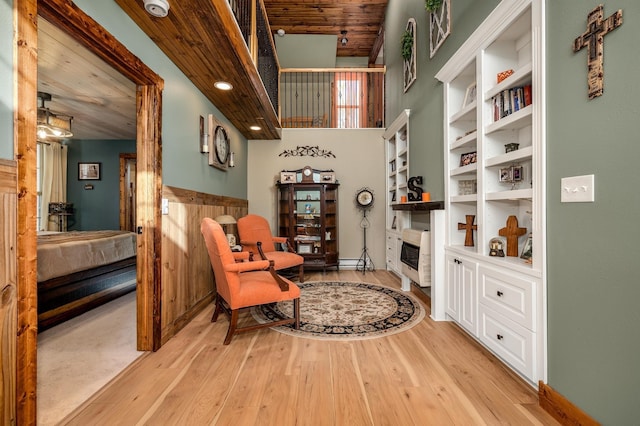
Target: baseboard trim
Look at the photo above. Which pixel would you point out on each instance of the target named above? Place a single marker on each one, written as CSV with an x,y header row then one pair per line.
x,y
561,409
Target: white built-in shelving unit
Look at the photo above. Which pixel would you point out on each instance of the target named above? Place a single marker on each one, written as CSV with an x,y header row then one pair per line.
x,y
501,301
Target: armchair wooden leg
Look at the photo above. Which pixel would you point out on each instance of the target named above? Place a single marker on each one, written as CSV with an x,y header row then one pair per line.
x,y
233,322
301,273
218,308
296,313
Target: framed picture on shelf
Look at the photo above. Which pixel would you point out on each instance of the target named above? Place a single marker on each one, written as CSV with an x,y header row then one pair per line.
x,y
526,250
327,177
506,175
89,171
470,95
287,177
305,248
516,173
468,158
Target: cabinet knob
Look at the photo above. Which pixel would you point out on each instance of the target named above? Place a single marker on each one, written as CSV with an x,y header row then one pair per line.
x,y
499,293
499,336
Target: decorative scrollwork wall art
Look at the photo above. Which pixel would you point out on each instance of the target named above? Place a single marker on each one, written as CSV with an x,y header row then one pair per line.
x,y
409,54
439,26
307,151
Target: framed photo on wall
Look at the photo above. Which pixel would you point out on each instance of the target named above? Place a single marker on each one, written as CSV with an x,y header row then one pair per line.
x,y
89,171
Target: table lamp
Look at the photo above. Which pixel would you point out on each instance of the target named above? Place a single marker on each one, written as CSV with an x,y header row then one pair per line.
x,y
224,220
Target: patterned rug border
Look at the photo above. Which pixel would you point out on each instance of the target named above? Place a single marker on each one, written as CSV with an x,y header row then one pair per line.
x,y
418,315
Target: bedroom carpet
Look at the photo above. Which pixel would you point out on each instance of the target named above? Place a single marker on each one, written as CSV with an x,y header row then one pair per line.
x,y
79,356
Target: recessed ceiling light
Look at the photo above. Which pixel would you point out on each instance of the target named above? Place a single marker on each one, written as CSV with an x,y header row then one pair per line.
x,y
223,85
256,128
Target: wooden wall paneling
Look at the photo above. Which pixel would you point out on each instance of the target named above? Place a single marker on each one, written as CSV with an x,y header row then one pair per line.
x,y
8,292
148,217
187,279
24,128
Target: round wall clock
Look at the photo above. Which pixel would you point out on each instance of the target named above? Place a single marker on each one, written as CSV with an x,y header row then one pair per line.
x,y
221,144
364,198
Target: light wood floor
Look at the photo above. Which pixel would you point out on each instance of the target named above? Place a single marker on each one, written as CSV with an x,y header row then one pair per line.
x,y
432,374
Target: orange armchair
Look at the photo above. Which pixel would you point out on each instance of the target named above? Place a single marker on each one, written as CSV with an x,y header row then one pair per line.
x,y
241,284
255,236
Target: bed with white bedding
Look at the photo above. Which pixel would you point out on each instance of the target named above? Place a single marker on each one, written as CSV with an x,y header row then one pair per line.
x,y
80,270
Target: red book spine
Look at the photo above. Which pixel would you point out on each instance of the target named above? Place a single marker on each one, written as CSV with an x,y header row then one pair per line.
x,y
527,95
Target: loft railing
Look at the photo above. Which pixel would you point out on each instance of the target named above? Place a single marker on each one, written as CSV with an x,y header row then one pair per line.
x,y
257,35
341,98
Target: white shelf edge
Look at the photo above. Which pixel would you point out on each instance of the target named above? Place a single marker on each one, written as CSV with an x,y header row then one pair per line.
x,y
464,141
513,80
465,170
516,194
516,120
463,112
509,157
464,198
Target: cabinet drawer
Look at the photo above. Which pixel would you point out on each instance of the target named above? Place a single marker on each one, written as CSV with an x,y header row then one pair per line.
x,y
508,294
510,341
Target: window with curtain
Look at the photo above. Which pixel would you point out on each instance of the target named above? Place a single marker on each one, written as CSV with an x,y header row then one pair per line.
x,y
51,182
349,100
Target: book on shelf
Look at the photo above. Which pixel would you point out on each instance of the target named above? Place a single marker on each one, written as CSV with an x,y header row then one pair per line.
x,y
510,100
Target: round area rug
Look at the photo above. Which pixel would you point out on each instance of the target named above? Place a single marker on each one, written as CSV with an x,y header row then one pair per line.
x,y
346,311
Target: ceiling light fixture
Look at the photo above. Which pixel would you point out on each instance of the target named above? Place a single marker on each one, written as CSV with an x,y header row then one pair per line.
x,y
255,128
157,8
344,39
222,85
50,124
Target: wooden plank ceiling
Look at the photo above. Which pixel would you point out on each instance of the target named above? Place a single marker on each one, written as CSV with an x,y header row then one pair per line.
x,y
202,38
362,19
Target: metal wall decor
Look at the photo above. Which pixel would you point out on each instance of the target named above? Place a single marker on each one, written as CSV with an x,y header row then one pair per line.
x,y
439,26
307,151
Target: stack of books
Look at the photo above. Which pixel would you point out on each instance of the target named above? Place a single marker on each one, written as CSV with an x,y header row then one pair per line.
x,y
510,100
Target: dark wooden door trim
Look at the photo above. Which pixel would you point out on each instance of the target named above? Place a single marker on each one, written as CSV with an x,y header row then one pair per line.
x,y
67,16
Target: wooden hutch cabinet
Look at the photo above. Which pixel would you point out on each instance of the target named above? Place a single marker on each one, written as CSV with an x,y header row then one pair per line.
x,y
308,216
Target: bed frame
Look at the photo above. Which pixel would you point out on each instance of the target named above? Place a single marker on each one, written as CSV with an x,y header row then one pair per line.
x,y
63,298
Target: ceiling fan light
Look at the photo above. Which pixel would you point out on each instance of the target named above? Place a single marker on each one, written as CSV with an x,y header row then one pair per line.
x,y
157,8
51,124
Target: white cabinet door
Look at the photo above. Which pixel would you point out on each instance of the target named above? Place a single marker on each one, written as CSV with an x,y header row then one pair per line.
x,y
468,300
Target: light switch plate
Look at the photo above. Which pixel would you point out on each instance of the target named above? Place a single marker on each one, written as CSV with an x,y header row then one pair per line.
x,y
165,206
577,189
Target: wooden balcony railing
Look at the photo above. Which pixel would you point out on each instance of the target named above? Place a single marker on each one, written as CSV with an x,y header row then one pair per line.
x,y
341,98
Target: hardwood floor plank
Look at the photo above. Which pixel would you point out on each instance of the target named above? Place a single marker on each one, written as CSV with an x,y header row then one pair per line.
x,y
432,374
348,387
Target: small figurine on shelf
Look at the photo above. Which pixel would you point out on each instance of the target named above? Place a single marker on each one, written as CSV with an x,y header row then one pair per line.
x,y
307,208
495,247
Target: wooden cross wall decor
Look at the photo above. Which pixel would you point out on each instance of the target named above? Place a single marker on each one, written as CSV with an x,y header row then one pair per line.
x,y
593,38
469,227
512,232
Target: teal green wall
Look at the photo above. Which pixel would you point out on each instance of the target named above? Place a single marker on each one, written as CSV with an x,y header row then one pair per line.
x,y
6,79
594,321
98,208
182,164
182,105
424,97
